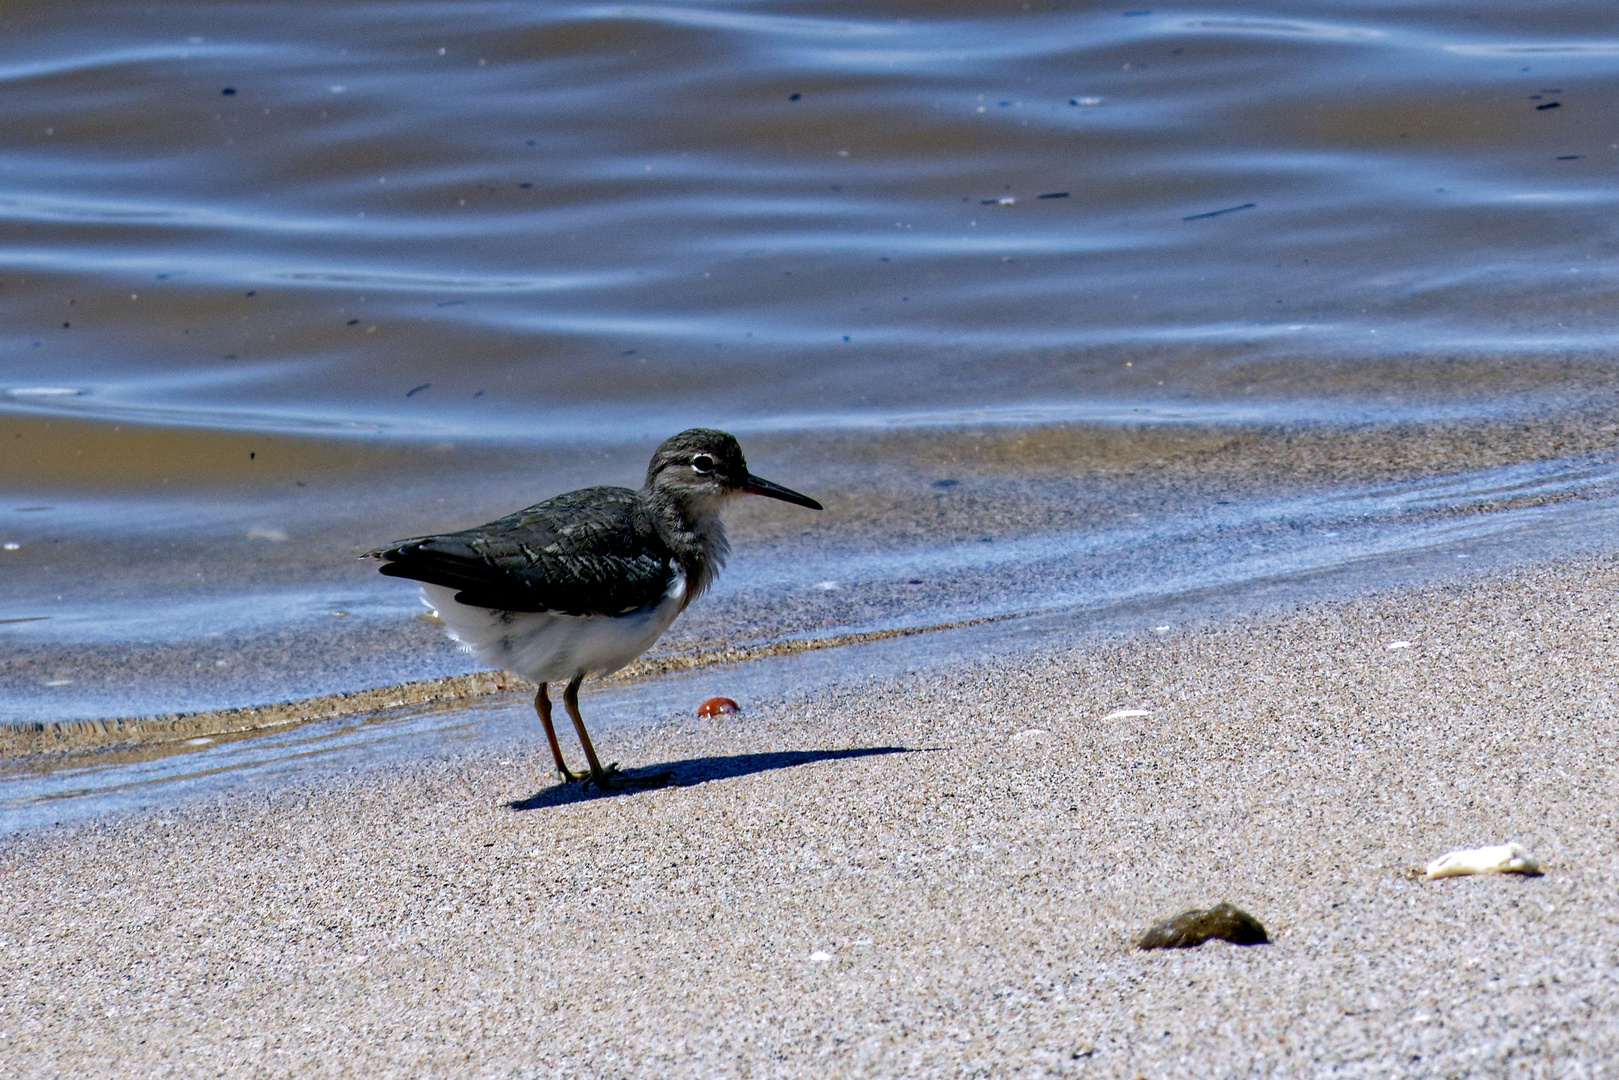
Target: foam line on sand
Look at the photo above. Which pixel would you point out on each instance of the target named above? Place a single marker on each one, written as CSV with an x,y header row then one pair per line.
x,y
52,738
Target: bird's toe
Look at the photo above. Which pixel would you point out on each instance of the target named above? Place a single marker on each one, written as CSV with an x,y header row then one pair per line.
x,y
611,779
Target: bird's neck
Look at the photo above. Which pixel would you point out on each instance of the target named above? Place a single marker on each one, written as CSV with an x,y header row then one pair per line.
x,y
694,533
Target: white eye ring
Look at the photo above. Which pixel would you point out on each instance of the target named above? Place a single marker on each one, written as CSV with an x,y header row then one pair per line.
x,y
703,463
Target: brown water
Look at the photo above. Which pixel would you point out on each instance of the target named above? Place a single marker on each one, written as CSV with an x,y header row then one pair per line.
x,y
1281,289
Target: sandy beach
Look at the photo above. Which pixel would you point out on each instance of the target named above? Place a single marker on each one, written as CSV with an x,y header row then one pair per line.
x,y
1216,422
935,875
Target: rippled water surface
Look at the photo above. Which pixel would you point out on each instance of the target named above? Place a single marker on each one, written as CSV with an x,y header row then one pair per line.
x,y
283,281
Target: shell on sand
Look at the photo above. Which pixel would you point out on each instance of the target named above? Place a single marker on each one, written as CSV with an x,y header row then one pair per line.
x,y
1500,859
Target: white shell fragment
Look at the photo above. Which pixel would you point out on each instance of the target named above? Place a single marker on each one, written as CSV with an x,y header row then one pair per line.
x,y
1398,645
1500,859
1125,714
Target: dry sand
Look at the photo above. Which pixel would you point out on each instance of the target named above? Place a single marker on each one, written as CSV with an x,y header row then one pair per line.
x,y
935,876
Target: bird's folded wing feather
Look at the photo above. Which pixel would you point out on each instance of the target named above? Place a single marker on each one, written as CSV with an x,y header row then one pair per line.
x,y
583,553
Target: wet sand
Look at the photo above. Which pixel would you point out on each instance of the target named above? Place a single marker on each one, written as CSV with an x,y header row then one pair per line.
x,y
935,875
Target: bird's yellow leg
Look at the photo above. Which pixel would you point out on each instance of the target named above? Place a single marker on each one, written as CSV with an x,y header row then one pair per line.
x,y
542,705
610,776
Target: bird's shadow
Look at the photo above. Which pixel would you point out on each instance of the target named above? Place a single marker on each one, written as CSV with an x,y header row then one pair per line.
x,y
700,770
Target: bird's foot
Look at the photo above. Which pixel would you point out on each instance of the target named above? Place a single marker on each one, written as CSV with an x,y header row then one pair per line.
x,y
568,776
610,779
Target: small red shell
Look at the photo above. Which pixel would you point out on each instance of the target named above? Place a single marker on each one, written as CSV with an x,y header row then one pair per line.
x,y
718,706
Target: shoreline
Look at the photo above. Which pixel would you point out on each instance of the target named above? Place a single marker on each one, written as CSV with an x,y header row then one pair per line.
x,y
939,872
41,742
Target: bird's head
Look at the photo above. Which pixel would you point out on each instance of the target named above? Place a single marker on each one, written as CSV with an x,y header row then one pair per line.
x,y
701,468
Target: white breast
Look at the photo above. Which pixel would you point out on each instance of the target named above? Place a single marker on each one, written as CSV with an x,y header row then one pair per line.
x,y
547,647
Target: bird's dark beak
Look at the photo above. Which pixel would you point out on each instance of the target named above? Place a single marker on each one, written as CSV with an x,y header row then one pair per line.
x,y
758,485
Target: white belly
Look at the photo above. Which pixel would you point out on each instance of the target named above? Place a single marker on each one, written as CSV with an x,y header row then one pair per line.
x,y
547,647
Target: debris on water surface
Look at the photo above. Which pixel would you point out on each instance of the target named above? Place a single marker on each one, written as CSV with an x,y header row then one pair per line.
x,y
1500,859
718,706
1217,213
1192,928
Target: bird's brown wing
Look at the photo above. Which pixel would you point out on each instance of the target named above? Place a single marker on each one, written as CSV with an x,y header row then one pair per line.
x,y
589,552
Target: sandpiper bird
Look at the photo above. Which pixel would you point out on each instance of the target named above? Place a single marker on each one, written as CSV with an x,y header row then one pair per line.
x,y
583,583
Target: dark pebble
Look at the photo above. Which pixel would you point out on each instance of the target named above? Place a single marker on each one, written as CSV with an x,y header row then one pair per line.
x,y
1192,928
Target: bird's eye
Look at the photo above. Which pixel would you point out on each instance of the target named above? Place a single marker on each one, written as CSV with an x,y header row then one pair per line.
x,y
703,463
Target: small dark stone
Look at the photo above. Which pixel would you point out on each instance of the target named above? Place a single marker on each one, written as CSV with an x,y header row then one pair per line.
x,y
228,91
1192,928
794,97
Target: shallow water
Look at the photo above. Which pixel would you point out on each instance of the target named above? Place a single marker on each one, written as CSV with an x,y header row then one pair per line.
x,y
280,282
518,222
